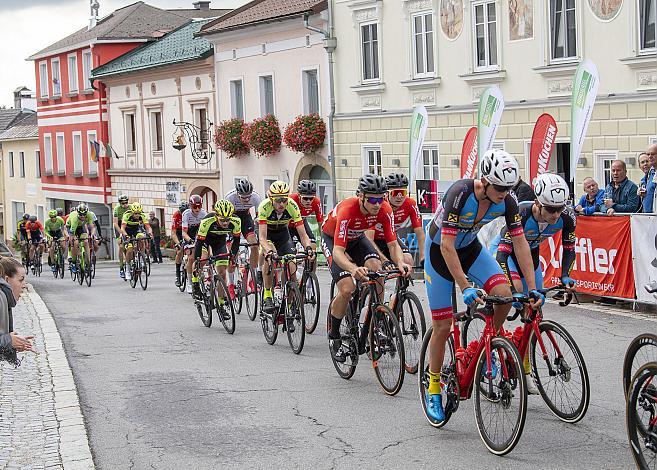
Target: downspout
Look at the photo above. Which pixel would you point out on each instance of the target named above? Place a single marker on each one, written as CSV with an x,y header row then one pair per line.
x,y
330,42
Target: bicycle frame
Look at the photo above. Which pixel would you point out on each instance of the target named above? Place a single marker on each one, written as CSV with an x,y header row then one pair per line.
x,y
373,301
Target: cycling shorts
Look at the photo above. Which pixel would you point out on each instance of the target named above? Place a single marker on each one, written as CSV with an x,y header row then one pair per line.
x,y
192,230
383,247
57,234
179,234
282,242
359,250
217,245
79,231
36,237
294,233
248,226
478,264
516,272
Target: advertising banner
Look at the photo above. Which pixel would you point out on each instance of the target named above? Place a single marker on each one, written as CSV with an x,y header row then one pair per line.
x,y
603,260
419,123
491,105
469,154
427,196
644,244
585,89
545,131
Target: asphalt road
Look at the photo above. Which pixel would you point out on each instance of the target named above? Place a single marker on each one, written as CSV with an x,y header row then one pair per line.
x,y
159,390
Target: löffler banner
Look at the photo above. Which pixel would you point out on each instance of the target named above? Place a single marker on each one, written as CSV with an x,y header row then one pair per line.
x,y
603,262
545,132
585,90
491,105
469,154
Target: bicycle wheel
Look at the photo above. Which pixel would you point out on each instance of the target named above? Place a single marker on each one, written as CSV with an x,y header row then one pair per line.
x,y
55,273
348,335
640,416
413,326
135,269
310,293
93,265
143,273
226,312
62,267
79,268
500,402
448,379
269,322
642,349
472,329
87,275
39,265
205,305
561,378
183,278
240,291
295,321
252,293
147,263
387,349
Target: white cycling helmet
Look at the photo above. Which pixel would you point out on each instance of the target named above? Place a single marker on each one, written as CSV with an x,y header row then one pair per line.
x,y
499,167
551,190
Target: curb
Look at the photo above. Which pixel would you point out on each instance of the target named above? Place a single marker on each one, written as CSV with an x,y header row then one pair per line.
x,y
73,440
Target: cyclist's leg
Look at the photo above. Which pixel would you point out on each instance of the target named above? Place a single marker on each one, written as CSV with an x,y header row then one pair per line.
x,y
285,246
363,253
85,241
248,232
345,287
221,265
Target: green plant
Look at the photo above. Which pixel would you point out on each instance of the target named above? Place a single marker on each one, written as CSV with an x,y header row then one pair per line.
x,y
263,135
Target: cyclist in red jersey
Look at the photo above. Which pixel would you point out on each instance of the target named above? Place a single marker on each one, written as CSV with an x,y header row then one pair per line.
x,y
350,253
176,236
308,202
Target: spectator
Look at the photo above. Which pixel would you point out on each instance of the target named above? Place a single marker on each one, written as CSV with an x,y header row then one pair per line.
x,y
156,252
592,200
523,191
12,283
621,193
647,187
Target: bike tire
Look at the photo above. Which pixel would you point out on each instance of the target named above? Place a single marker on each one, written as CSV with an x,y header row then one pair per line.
x,y
450,392
642,349
508,387
62,266
349,339
228,323
559,397
134,271
413,327
294,315
240,291
93,266
269,324
387,349
252,295
87,276
143,273
473,328
641,405
205,305
79,272
55,273
147,263
183,279
312,301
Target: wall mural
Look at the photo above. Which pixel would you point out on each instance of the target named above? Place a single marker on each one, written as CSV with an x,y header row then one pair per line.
x,y
451,17
521,19
605,9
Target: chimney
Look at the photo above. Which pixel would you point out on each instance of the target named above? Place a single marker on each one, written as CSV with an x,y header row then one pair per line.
x,y
201,6
93,19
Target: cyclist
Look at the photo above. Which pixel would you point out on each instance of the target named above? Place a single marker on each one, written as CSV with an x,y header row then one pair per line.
x,y
308,202
453,251
34,230
117,220
275,214
244,198
133,225
21,236
176,236
54,233
79,227
213,232
191,219
350,253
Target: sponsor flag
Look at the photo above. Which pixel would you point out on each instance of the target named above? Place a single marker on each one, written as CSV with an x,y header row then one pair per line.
x,y
545,132
110,152
469,154
419,123
491,105
427,196
93,148
585,89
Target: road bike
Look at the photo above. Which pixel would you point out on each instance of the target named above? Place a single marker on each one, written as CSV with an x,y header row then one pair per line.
x,y
372,328
641,416
214,293
137,264
310,293
246,284
493,371
58,260
82,271
187,247
36,259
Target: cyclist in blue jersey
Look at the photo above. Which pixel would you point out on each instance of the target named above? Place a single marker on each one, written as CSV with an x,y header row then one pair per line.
x,y
454,254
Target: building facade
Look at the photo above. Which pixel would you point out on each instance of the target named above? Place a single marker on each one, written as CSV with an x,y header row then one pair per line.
x,y
268,62
393,56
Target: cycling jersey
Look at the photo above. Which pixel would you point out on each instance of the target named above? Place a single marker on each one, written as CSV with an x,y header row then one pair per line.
x,y
176,221
315,207
119,211
347,223
241,205
404,216
76,224
20,227
33,227
53,228
267,215
132,219
189,219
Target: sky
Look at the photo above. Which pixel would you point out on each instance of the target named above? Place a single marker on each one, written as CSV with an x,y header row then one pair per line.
x,y
27,26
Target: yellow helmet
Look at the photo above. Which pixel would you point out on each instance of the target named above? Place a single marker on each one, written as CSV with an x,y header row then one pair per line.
x,y
136,208
224,208
279,188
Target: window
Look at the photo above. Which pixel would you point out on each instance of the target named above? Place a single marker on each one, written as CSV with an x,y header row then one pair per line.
x,y
87,64
563,39
130,132
61,153
93,166
370,51
647,21
423,45
73,73
37,171
40,212
485,35
430,163
156,131
267,181
43,79
47,148
266,95
236,99
18,209
77,154
603,162
56,77
21,164
201,120
372,160
310,92
10,156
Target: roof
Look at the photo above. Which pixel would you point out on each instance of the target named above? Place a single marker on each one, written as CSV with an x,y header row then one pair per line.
x,y
138,21
177,46
11,117
25,127
259,11
195,13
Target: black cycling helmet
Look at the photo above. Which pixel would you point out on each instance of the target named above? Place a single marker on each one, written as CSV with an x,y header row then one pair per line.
x,y
123,199
26,216
372,184
183,206
396,180
307,188
244,187
60,211
33,218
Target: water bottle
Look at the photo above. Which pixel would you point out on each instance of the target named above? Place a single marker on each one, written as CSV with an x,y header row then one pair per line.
x,y
278,295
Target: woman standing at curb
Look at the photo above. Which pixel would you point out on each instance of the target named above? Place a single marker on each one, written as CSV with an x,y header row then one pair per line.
x,y
12,284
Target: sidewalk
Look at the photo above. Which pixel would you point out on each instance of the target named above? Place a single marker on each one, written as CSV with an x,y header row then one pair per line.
x,y
41,425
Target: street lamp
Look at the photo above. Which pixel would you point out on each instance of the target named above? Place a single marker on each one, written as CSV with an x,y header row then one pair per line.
x,y
199,138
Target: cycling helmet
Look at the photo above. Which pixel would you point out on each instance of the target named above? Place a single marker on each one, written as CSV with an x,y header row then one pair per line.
x,y
123,199
279,188
307,188
372,184
499,167
52,213
195,202
26,216
183,207
33,218
396,180
224,208
244,187
82,208
136,208
60,211
551,190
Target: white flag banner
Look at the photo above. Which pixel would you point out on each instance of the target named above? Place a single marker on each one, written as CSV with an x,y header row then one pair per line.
x,y
419,123
644,255
491,105
585,89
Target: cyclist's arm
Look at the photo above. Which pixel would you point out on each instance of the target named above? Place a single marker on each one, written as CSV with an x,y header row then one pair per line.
x,y
520,244
448,250
265,244
418,228
99,230
317,208
504,250
174,236
419,234
147,226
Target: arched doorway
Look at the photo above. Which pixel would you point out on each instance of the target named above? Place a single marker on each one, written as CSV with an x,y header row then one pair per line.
x,y
208,195
321,177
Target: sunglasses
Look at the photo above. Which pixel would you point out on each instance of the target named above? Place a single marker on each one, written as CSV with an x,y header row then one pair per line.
x,y
375,200
307,198
553,210
224,220
501,189
193,206
280,200
398,192
124,203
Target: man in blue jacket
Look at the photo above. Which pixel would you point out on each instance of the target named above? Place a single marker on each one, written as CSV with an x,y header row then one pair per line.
x,y
647,187
621,193
592,200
